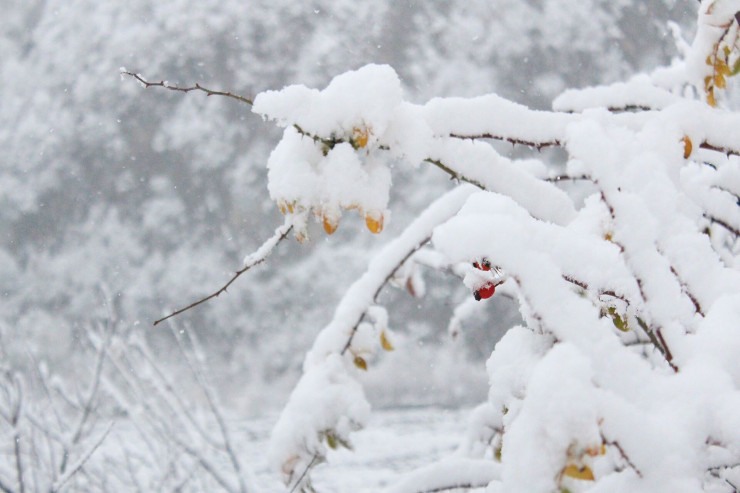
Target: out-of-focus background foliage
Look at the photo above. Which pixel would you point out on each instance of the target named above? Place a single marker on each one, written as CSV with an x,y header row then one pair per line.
x,y
119,202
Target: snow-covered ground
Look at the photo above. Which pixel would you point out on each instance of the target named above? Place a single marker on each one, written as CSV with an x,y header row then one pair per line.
x,y
394,442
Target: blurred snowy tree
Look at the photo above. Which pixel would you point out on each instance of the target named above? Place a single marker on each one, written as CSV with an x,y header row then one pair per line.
x,y
158,197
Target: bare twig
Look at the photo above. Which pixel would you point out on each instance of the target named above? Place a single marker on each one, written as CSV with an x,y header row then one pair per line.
x,y
314,460
454,174
559,178
197,87
624,455
585,286
687,292
511,140
557,143
724,150
252,260
723,223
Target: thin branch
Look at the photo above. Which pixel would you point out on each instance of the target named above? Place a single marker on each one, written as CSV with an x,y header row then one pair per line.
x,y
456,486
724,224
167,392
687,292
197,367
559,178
197,87
252,260
735,488
454,174
586,287
380,288
657,341
511,140
656,338
92,393
81,462
5,488
557,143
724,150
624,455
314,459
15,414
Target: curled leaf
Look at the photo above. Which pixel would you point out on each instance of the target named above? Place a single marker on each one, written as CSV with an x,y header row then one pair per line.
x,y
385,343
360,363
617,319
584,473
331,440
374,223
330,225
687,146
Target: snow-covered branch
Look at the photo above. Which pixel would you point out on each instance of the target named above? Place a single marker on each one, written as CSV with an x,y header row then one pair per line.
x,y
251,260
625,365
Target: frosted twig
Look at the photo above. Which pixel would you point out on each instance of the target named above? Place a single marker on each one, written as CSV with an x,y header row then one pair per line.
x,y
197,368
197,87
81,462
167,393
14,396
5,488
45,385
252,260
87,405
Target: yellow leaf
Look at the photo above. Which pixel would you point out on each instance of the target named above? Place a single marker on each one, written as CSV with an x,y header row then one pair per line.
x,y
385,342
719,81
710,99
359,137
722,68
374,223
687,146
331,441
583,473
360,363
330,225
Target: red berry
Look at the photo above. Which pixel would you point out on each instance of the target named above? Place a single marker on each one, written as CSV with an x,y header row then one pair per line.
x,y
482,265
485,292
